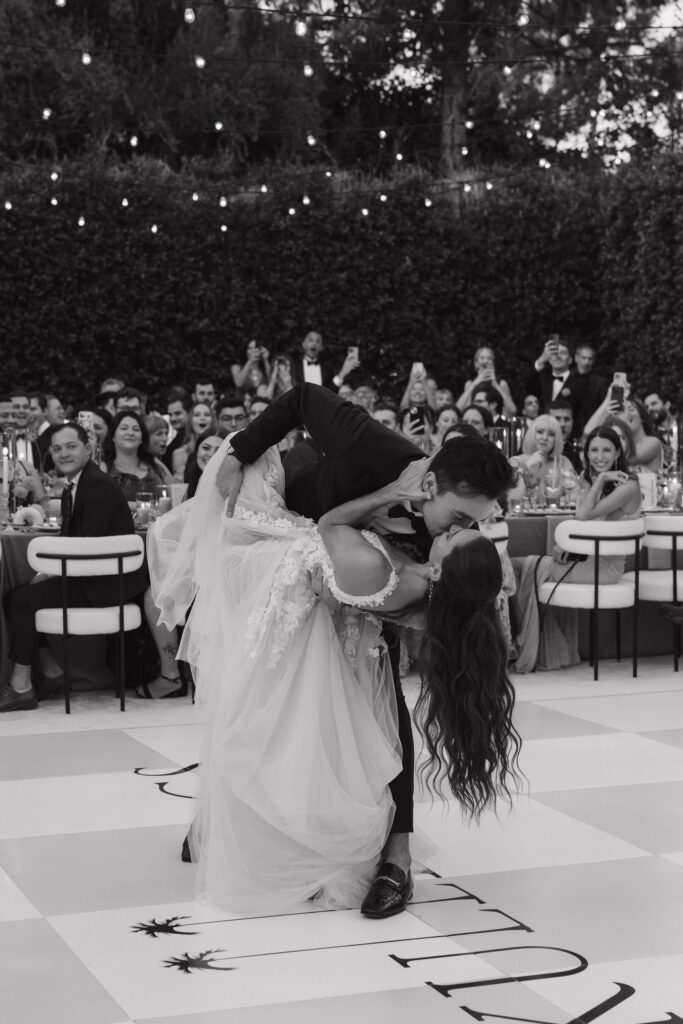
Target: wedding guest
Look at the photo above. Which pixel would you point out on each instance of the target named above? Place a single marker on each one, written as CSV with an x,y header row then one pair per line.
x,y
231,414
492,399
485,373
541,448
590,386
552,376
447,416
417,424
281,377
257,406
530,408
418,391
480,418
38,422
200,418
27,450
386,413
157,430
649,451
460,430
313,365
666,427
131,398
125,456
204,450
178,413
95,507
109,389
443,396
204,391
255,371
562,411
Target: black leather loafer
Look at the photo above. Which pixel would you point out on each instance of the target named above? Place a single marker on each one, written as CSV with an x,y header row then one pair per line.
x,y
389,893
185,854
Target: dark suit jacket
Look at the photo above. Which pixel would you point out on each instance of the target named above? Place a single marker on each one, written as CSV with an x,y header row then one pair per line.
x,y
541,385
352,454
101,510
589,390
326,365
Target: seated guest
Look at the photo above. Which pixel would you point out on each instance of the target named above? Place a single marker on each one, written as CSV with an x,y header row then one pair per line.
x,y
178,413
231,414
492,399
447,416
664,422
125,456
157,430
204,450
92,506
480,418
6,414
27,450
200,418
649,451
38,421
109,389
386,413
542,443
417,424
485,373
281,377
563,412
609,491
257,406
131,398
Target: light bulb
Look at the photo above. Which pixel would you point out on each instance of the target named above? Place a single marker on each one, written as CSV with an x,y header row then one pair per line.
x,y
47,113
86,59
365,211
507,70
133,140
54,176
54,201
308,71
399,156
264,188
124,201
467,188
292,211
224,227
306,200
222,201
620,24
8,205
382,134
60,3
489,186
428,202
195,197
300,28
383,198
523,20
469,125
200,62
154,229
218,126
189,16
464,150
81,222
311,140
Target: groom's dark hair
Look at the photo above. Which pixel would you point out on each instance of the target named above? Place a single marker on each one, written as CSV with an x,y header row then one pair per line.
x,y
472,466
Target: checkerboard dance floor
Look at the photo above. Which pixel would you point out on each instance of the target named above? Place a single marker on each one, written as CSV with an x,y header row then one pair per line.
x,y
569,908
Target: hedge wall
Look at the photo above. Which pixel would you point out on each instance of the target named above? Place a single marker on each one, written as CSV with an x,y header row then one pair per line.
x,y
594,259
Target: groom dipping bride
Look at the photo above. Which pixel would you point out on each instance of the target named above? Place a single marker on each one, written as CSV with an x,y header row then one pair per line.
x,y
349,456
308,771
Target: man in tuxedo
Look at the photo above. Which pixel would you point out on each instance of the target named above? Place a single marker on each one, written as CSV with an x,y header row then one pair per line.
x,y
313,366
26,447
589,388
93,505
553,376
461,484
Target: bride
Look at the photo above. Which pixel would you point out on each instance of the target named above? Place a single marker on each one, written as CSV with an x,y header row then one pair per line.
x,y
300,737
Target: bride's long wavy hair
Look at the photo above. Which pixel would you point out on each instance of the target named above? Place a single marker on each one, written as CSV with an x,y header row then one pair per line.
x,y
466,700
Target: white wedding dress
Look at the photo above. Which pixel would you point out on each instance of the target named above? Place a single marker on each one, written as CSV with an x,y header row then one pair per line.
x,y
300,737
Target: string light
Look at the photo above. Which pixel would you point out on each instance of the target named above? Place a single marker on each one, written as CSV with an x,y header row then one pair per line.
x,y
81,222
523,20
300,27
154,229
218,126
86,59
60,3
311,140
264,188
428,202
124,202
189,16
222,201
507,70
54,201
365,211
382,134
8,205
195,197
200,62
54,176
467,188
133,141
469,125
291,211
306,200
308,71
47,113
620,24
464,150
399,156
383,197
489,185
224,227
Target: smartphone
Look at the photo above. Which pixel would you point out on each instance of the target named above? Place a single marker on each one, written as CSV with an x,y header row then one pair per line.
x,y
619,384
419,370
85,419
417,416
353,351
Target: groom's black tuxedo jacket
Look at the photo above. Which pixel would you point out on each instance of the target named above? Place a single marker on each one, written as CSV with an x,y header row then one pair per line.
x,y
355,454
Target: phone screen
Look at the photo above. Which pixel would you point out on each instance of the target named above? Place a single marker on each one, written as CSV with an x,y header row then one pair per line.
x,y
417,416
618,395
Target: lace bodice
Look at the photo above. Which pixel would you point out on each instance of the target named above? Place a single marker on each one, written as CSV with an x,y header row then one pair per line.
x,y
355,601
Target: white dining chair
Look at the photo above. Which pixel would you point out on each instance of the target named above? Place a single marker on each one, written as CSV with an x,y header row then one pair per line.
x,y
88,557
665,585
596,538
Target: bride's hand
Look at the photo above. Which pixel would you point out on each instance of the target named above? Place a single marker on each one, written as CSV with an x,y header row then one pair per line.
x,y
229,481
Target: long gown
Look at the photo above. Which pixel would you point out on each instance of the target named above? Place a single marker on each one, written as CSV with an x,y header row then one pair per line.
x,y
300,737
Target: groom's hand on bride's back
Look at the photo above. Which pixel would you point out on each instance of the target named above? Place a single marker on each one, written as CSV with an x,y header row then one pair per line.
x,y
229,481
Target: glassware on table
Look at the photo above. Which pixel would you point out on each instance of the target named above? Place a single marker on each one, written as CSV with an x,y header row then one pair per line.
x,y
552,483
570,486
144,508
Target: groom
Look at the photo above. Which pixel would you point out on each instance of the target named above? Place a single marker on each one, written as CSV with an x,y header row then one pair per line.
x,y
349,455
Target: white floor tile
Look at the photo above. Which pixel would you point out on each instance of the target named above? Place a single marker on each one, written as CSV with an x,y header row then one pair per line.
x,y
529,836
636,712
584,762
180,743
14,906
86,803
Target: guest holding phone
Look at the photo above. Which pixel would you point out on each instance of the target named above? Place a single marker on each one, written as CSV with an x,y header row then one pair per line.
x,y
485,374
621,402
553,376
417,424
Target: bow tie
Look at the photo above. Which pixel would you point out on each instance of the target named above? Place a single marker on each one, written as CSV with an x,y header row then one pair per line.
x,y
313,362
559,376
401,512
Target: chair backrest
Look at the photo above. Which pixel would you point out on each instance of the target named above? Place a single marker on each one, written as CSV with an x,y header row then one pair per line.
x,y
497,531
86,556
661,530
615,538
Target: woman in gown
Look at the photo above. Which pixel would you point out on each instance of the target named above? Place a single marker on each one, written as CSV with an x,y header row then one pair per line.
x,y
608,490
300,737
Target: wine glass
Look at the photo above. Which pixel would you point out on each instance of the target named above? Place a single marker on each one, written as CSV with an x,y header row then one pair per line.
x,y
552,482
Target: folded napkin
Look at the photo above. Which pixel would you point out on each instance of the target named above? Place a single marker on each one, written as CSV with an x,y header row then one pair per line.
x,y
33,515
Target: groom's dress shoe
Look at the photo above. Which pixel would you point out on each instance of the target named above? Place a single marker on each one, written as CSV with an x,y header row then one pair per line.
x,y
389,893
